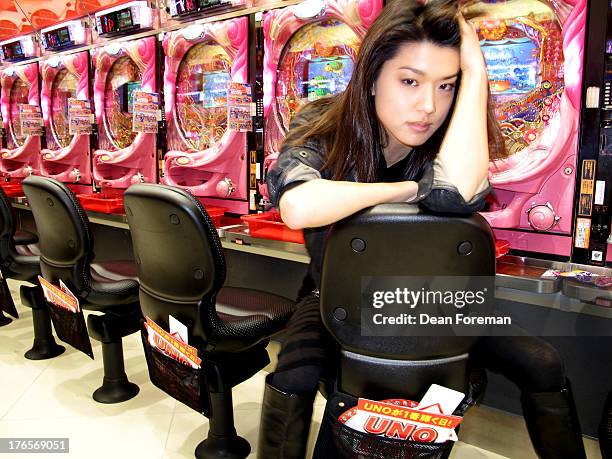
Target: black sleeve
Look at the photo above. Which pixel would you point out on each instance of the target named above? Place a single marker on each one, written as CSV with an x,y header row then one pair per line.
x,y
436,194
294,165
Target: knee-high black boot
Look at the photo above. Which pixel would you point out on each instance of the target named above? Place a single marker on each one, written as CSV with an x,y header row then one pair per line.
x,y
285,423
605,429
552,422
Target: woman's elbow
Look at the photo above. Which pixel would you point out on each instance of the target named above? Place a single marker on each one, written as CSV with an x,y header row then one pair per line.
x,y
292,212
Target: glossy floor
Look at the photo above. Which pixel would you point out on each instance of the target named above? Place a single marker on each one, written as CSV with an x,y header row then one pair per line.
x,y
52,398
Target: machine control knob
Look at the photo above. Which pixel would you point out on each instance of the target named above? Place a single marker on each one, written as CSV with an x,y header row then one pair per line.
x,y
542,217
225,188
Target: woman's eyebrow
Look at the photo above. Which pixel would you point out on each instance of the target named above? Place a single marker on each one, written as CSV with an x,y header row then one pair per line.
x,y
421,72
412,69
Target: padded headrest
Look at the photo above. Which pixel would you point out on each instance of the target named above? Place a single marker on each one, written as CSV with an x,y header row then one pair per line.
x,y
178,252
62,224
399,240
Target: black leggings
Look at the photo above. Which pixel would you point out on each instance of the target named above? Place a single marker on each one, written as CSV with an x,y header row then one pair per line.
x,y
530,362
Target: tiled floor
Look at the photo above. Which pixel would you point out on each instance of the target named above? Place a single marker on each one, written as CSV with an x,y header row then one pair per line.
x,y
52,398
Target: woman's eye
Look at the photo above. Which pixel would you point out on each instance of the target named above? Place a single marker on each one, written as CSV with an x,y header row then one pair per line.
x,y
409,82
448,87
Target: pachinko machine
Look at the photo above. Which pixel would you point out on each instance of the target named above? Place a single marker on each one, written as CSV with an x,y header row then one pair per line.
x,y
23,126
206,68
309,53
125,72
534,55
66,111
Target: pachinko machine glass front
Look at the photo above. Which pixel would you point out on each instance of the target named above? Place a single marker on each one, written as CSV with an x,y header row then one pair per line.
x,y
22,124
66,110
124,88
205,155
534,55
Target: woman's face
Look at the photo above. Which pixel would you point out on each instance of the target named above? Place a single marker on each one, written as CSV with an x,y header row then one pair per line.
x,y
415,90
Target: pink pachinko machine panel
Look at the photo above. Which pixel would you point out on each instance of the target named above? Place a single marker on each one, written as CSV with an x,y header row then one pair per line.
x,y
124,156
309,53
203,154
20,95
534,55
67,156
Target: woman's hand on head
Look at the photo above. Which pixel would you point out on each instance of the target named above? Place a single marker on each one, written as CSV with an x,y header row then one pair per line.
x,y
472,59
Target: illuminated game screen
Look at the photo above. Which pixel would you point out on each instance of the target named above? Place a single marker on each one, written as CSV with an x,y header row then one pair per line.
x,y
214,92
512,66
13,51
523,49
316,62
58,38
115,21
123,79
202,83
328,76
18,95
63,88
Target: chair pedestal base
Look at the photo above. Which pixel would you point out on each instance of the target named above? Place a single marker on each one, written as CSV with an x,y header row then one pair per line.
x,y
4,320
44,346
115,387
115,391
223,447
42,350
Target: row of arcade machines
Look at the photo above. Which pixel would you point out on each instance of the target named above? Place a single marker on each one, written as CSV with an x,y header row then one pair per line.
x,y
204,140
552,195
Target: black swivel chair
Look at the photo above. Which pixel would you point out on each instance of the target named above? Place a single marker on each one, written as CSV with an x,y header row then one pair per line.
x,y
19,263
395,240
66,246
181,269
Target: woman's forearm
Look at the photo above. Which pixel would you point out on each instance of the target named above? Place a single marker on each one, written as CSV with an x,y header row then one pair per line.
x,y
464,154
322,202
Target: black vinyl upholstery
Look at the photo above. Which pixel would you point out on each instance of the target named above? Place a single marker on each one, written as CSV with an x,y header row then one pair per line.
x,y
66,254
398,240
13,264
181,269
66,246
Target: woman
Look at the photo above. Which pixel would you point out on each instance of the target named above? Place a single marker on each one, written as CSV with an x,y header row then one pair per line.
x,y
412,126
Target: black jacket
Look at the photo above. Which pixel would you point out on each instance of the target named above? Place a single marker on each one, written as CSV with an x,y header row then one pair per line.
x,y
302,163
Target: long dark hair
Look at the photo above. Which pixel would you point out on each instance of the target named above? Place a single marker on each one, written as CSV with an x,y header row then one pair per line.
x,y
354,143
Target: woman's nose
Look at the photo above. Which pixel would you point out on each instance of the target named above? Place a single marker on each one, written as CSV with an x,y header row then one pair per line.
x,y
427,101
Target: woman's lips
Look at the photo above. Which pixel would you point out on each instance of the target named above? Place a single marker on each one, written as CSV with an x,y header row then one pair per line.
x,y
419,127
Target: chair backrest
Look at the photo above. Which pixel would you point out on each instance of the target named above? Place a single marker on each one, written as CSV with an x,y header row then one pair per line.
x,y
180,261
398,240
65,240
8,227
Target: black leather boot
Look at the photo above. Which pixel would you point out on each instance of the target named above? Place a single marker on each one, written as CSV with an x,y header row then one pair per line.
x,y
552,422
605,429
285,423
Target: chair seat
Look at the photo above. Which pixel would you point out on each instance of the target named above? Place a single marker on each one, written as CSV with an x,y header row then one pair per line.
x,y
114,270
248,316
113,284
25,238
